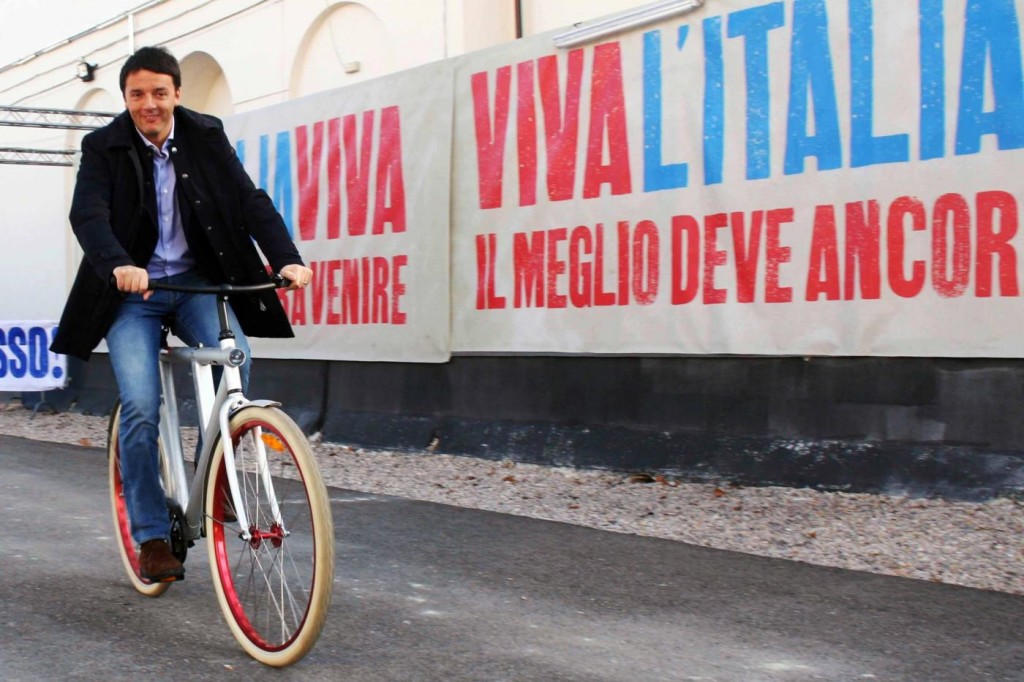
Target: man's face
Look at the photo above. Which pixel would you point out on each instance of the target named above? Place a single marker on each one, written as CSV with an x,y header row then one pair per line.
x,y
151,98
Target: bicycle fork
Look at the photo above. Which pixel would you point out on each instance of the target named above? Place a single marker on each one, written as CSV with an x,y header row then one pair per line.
x,y
263,469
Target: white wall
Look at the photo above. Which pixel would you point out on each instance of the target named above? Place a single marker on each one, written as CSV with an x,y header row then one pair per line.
x,y
32,255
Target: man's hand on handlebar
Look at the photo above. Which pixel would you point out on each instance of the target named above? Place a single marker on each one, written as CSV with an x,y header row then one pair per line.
x,y
132,280
298,275
135,280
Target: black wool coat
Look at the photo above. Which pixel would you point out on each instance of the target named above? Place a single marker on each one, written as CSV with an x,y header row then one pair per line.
x,y
113,215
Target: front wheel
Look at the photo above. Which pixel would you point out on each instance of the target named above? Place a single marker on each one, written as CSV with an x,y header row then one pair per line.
x,y
122,525
274,588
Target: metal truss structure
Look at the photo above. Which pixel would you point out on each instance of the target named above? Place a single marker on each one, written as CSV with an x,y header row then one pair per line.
x,y
60,119
37,157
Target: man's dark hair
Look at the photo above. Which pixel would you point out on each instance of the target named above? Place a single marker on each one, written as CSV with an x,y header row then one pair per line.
x,y
155,59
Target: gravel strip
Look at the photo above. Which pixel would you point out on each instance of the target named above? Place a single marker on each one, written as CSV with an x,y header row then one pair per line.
x,y
978,545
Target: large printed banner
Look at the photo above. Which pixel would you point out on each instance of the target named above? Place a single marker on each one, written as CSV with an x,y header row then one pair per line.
x,y
839,177
361,177
26,364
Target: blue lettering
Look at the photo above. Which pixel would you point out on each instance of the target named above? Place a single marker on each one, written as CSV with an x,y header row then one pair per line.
x,y
283,179
866,149
714,102
15,340
992,31
3,355
656,175
58,371
39,361
264,162
812,74
753,25
933,80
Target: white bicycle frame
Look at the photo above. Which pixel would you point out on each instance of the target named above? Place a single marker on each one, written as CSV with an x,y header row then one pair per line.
x,y
215,411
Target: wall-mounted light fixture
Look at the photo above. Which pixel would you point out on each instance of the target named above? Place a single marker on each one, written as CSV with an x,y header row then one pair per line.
x,y
85,71
351,67
586,31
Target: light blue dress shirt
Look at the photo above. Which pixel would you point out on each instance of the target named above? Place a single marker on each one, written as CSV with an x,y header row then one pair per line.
x,y
171,256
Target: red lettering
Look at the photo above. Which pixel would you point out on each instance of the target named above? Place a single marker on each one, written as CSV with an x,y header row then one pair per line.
x,y
601,297
623,228
333,291
713,257
372,292
526,135
364,290
334,179
862,250
561,128
646,257
486,263
993,243
350,291
490,133
685,259
555,267
380,307
481,271
318,289
901,209
357,171
398,316
951,272
823,269
777,255
389,206
581,275
309,178
528,258
747,252
607,126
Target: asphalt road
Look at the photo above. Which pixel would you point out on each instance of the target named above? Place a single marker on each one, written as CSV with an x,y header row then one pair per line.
x,y
430,592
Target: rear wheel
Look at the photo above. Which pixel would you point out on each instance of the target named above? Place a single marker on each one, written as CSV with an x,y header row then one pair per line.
x,y
274,588
122,525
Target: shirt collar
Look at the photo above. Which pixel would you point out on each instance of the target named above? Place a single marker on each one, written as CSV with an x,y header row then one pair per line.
x,y
162,151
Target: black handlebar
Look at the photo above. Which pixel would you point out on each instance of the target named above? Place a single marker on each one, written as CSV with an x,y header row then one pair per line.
x,y
276,282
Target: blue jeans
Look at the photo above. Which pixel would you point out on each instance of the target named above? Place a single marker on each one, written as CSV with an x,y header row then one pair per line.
x,y
134,344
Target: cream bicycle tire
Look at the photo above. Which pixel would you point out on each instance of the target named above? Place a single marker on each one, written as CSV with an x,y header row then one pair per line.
x,y
122,526
274,590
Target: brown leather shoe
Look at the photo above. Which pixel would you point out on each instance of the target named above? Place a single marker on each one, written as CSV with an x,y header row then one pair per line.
x,y
157,564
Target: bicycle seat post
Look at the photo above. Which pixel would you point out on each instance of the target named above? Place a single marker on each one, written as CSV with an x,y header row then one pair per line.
x,y
222,315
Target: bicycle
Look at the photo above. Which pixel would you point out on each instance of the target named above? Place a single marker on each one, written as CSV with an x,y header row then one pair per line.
x,y
273,565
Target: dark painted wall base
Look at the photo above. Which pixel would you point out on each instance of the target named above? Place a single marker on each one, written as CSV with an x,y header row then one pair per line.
x,y
919,470
919,426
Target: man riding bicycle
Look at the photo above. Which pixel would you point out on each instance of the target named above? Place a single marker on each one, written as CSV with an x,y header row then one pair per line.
x,y
161,195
